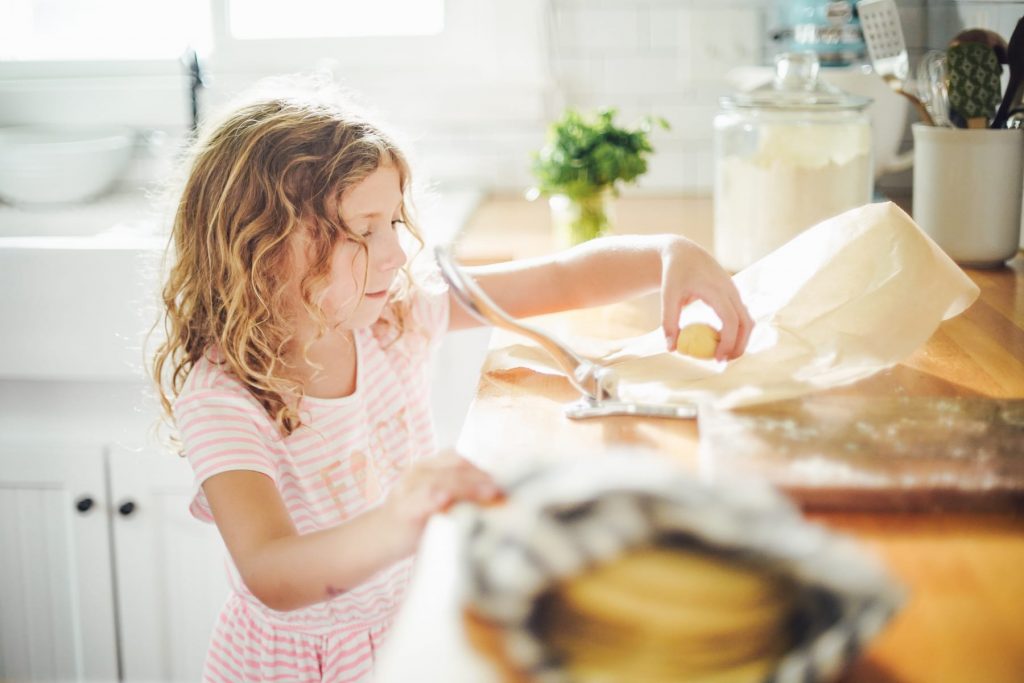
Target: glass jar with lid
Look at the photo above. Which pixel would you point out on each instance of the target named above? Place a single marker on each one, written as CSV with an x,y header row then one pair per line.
x,y
787,155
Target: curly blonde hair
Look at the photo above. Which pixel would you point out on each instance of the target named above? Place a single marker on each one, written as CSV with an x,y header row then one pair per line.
x,y
251,177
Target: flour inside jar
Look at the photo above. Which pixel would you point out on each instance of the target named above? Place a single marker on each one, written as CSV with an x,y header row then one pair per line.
x,y
798,176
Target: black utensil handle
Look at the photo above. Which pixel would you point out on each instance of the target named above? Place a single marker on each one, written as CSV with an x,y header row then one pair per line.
x,y
1013,88
1015,57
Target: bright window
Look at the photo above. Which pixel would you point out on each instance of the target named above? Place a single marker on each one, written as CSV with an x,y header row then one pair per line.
x,y
77,30
262,19
124,30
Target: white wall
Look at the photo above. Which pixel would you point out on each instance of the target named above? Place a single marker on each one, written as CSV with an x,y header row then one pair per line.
x,y
477,99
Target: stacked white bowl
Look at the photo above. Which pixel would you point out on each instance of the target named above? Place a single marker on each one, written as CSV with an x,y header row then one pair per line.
x,y
45,165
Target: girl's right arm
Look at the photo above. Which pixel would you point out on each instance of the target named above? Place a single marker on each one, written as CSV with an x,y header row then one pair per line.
x,y
287,571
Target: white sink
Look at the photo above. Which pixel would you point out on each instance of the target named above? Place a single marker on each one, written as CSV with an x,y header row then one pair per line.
x,y
75,313
126,213
78,289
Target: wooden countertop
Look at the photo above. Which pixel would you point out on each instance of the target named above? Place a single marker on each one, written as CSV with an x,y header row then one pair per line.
x,y
964,619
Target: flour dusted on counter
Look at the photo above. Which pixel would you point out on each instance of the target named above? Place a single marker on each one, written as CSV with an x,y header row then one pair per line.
x,y
798,176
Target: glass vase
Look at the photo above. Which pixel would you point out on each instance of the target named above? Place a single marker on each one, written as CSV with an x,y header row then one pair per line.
x,y
580,219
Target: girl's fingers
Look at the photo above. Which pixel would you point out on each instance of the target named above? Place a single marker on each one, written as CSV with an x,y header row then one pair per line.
x,y
745,323
467,482
728,334
440,500
736,322
748,327
671,305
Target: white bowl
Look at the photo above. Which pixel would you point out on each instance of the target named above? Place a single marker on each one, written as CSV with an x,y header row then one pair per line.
x,y
42,165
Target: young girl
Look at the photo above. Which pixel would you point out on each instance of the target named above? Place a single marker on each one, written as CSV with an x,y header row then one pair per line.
x,y
295,372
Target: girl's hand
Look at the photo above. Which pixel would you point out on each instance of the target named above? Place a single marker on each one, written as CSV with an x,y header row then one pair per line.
x,y
431,486
689,273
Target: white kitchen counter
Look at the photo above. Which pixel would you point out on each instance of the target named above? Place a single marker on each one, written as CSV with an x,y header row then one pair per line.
x,y
118,215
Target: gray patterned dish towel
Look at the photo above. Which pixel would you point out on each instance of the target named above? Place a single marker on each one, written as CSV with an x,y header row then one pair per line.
x,y
565,516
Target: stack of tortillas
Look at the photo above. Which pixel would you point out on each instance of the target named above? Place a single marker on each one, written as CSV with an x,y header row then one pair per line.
x,y
663,614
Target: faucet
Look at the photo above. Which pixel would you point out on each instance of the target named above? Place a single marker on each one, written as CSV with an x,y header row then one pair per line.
x,y
190,60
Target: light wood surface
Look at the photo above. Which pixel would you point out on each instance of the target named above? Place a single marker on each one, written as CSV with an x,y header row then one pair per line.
x,y
964,620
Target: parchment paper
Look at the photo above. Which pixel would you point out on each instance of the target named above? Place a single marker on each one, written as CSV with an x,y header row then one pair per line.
x,y
843,300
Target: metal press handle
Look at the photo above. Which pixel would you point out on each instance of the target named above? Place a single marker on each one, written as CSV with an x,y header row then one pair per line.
x,y
594,381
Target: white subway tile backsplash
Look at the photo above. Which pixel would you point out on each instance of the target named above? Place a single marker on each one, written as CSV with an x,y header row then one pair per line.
x,y
669,29
641,75
670,57
578,76
942,23
676,167
1007,17
944,19
629,110
643,28
668,168
691,122
585,29
705,162
721,39
912,21
978,15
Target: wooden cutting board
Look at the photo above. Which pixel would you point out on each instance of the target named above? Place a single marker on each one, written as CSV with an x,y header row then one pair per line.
x,y
873,453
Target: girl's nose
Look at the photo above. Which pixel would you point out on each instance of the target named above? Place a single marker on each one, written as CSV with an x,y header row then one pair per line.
x,y
391,256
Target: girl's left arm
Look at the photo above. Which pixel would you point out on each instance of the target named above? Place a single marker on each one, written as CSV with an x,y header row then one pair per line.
x,y
610,269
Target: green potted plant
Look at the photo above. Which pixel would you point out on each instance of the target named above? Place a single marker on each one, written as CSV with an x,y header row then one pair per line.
x,y
582,164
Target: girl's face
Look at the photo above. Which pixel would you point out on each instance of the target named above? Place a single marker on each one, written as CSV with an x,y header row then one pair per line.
x,y
371,209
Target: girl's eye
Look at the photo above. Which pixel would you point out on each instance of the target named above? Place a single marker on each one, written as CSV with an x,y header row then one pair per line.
x,y
370,230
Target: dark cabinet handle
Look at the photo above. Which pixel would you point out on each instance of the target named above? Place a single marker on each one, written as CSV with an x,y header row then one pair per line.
x,y
126,508
84,504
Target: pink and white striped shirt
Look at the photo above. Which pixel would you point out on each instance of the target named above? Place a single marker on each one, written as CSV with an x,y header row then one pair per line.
x,y
340,463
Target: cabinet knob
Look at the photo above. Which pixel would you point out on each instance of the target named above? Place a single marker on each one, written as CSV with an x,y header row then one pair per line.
x,y
126,508
84,504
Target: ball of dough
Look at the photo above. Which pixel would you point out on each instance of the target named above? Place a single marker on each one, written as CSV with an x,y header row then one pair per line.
x,y
698,340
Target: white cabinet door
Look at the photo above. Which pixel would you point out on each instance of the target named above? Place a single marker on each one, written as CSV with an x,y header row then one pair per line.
x,y
169,567
56,596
